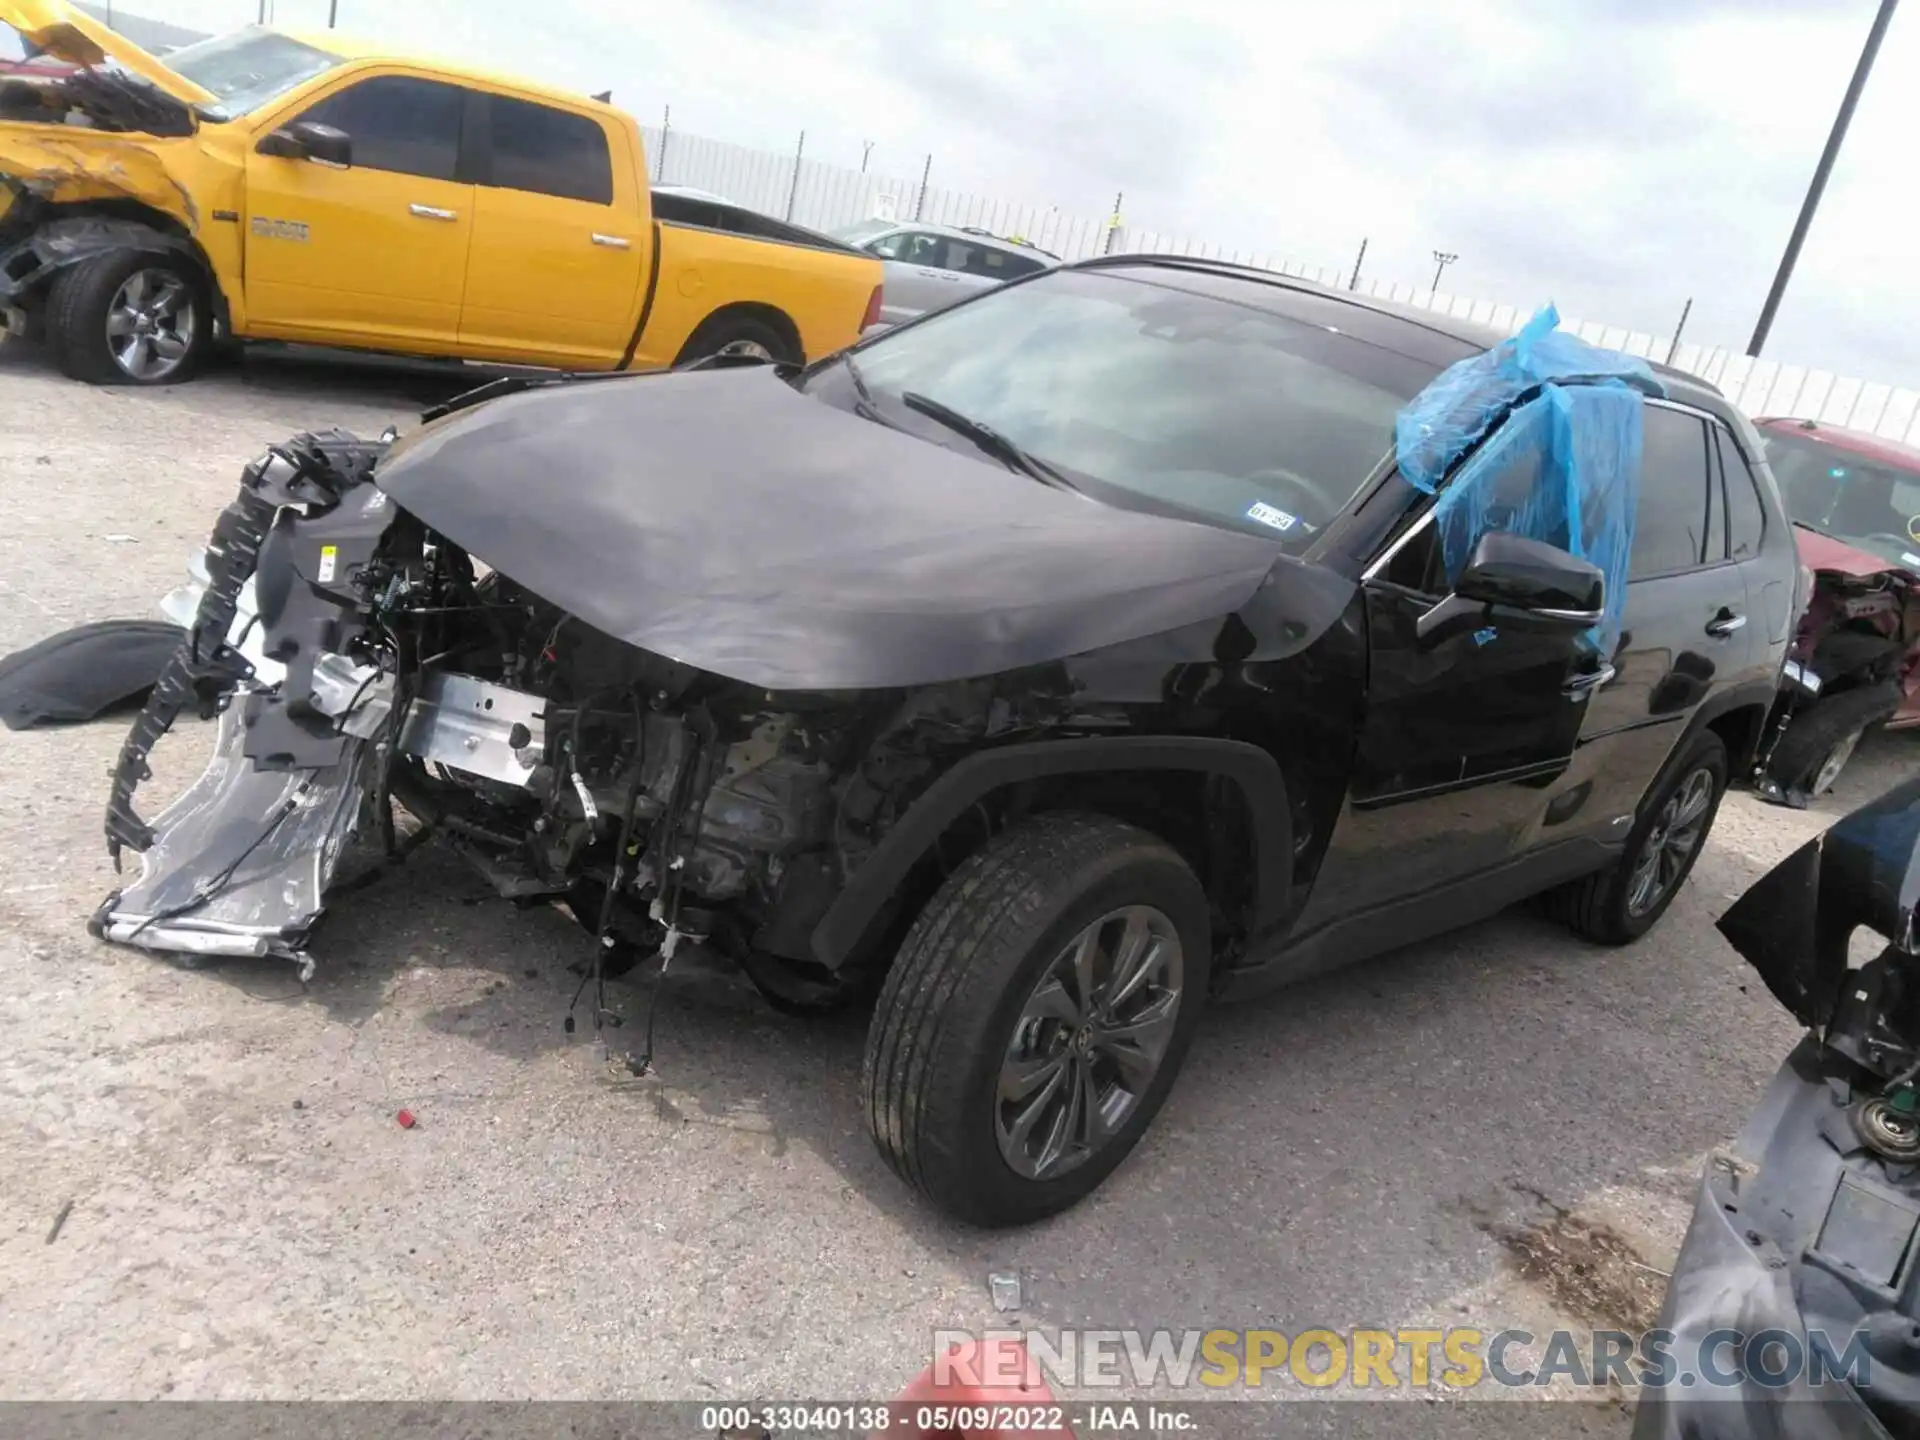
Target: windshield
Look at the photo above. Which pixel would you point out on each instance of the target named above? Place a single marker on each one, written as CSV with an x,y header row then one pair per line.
x,y
248,68
1221,411
865,230
1866,502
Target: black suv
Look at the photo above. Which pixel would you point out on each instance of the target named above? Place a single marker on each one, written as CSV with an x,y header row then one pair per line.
x,y
1043,667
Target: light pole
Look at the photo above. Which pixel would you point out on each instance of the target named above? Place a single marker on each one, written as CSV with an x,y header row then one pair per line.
x,y
1441,259
1820,173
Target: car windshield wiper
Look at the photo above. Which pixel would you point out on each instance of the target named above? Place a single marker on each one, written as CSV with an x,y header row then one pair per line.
x,y
987,438
864,405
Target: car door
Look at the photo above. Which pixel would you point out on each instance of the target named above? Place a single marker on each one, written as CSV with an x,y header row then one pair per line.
x,y
373,253
559,247
916,279
1688,629
1461,740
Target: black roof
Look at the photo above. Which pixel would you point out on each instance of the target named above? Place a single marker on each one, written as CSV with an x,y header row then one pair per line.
x,y
1420,334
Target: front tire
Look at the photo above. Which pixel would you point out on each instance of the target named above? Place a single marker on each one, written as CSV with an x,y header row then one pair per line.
x,y
1820,740
129,317
1036,1016
1620,904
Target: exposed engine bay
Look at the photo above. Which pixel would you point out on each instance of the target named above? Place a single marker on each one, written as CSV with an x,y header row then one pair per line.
x,y
1862,627
354,658
96,98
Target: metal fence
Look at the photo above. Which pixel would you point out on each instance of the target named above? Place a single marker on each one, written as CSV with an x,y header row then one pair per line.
x,y
823,196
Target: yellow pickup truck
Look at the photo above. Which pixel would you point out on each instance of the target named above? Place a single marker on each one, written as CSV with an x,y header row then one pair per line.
x,y
263,186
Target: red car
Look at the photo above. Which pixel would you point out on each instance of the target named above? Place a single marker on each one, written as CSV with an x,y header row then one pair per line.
x,y
1854,500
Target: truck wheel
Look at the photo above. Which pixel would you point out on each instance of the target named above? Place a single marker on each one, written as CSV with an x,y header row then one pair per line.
x,y
1820,739
129,317
1035,1017
740,336
1624,902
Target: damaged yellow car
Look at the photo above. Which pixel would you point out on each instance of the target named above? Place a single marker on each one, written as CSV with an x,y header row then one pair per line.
x,y
263,186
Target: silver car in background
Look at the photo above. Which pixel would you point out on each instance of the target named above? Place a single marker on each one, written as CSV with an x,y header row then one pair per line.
x,y
929,266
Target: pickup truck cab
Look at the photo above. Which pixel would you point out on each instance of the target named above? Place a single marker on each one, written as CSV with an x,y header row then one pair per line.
x,y
263,186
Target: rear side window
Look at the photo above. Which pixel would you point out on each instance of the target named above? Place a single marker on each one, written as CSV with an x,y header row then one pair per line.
x,y
1670,527
549,152
1746,518
993,264
397,123
914,247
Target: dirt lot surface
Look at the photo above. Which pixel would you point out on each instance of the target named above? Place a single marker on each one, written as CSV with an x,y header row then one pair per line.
x,y
1400,1144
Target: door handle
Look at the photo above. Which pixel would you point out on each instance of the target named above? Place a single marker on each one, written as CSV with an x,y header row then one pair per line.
x,y
433,212
1588,681
612,242
1724,624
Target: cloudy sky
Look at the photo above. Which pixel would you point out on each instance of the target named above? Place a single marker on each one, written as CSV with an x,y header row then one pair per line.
x,y
1618,156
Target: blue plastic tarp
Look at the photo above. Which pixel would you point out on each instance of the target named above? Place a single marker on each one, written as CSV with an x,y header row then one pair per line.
x,y
1562,462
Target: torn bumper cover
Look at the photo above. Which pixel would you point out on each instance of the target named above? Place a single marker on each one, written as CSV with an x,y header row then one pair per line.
x,y
239,864
1795,1304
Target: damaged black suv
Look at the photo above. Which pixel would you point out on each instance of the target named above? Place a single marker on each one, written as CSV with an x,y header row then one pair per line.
x,y
1044,667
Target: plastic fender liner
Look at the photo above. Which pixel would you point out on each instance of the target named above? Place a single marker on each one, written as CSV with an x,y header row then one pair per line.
x,y
1257,773
59,243
80,673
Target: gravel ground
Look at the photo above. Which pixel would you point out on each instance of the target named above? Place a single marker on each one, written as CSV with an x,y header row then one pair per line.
x,y
248,1220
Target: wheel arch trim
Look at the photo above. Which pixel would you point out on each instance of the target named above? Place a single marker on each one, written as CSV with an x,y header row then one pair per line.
x,y
66,235
1757,695
859,905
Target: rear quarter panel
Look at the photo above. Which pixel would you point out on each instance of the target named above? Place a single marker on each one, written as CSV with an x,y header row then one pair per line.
x,y
823,292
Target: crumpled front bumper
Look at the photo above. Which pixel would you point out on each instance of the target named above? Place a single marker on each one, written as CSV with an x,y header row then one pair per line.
x,y
1760,1249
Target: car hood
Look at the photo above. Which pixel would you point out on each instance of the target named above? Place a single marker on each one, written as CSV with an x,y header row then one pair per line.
x,y
1794,924
728,521
68,33
1824,552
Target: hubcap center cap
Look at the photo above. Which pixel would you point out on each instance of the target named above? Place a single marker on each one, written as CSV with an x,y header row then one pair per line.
x,y
1083,1041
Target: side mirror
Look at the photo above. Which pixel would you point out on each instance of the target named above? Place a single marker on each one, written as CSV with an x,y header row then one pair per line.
x,y
310,140
1521,584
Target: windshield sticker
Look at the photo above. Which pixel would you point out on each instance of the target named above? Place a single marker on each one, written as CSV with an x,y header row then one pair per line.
x,y
1269,515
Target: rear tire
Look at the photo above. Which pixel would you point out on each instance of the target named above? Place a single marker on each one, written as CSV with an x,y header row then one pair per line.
x,y
1611,907
984,1053
1820,739
130,317
743,336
